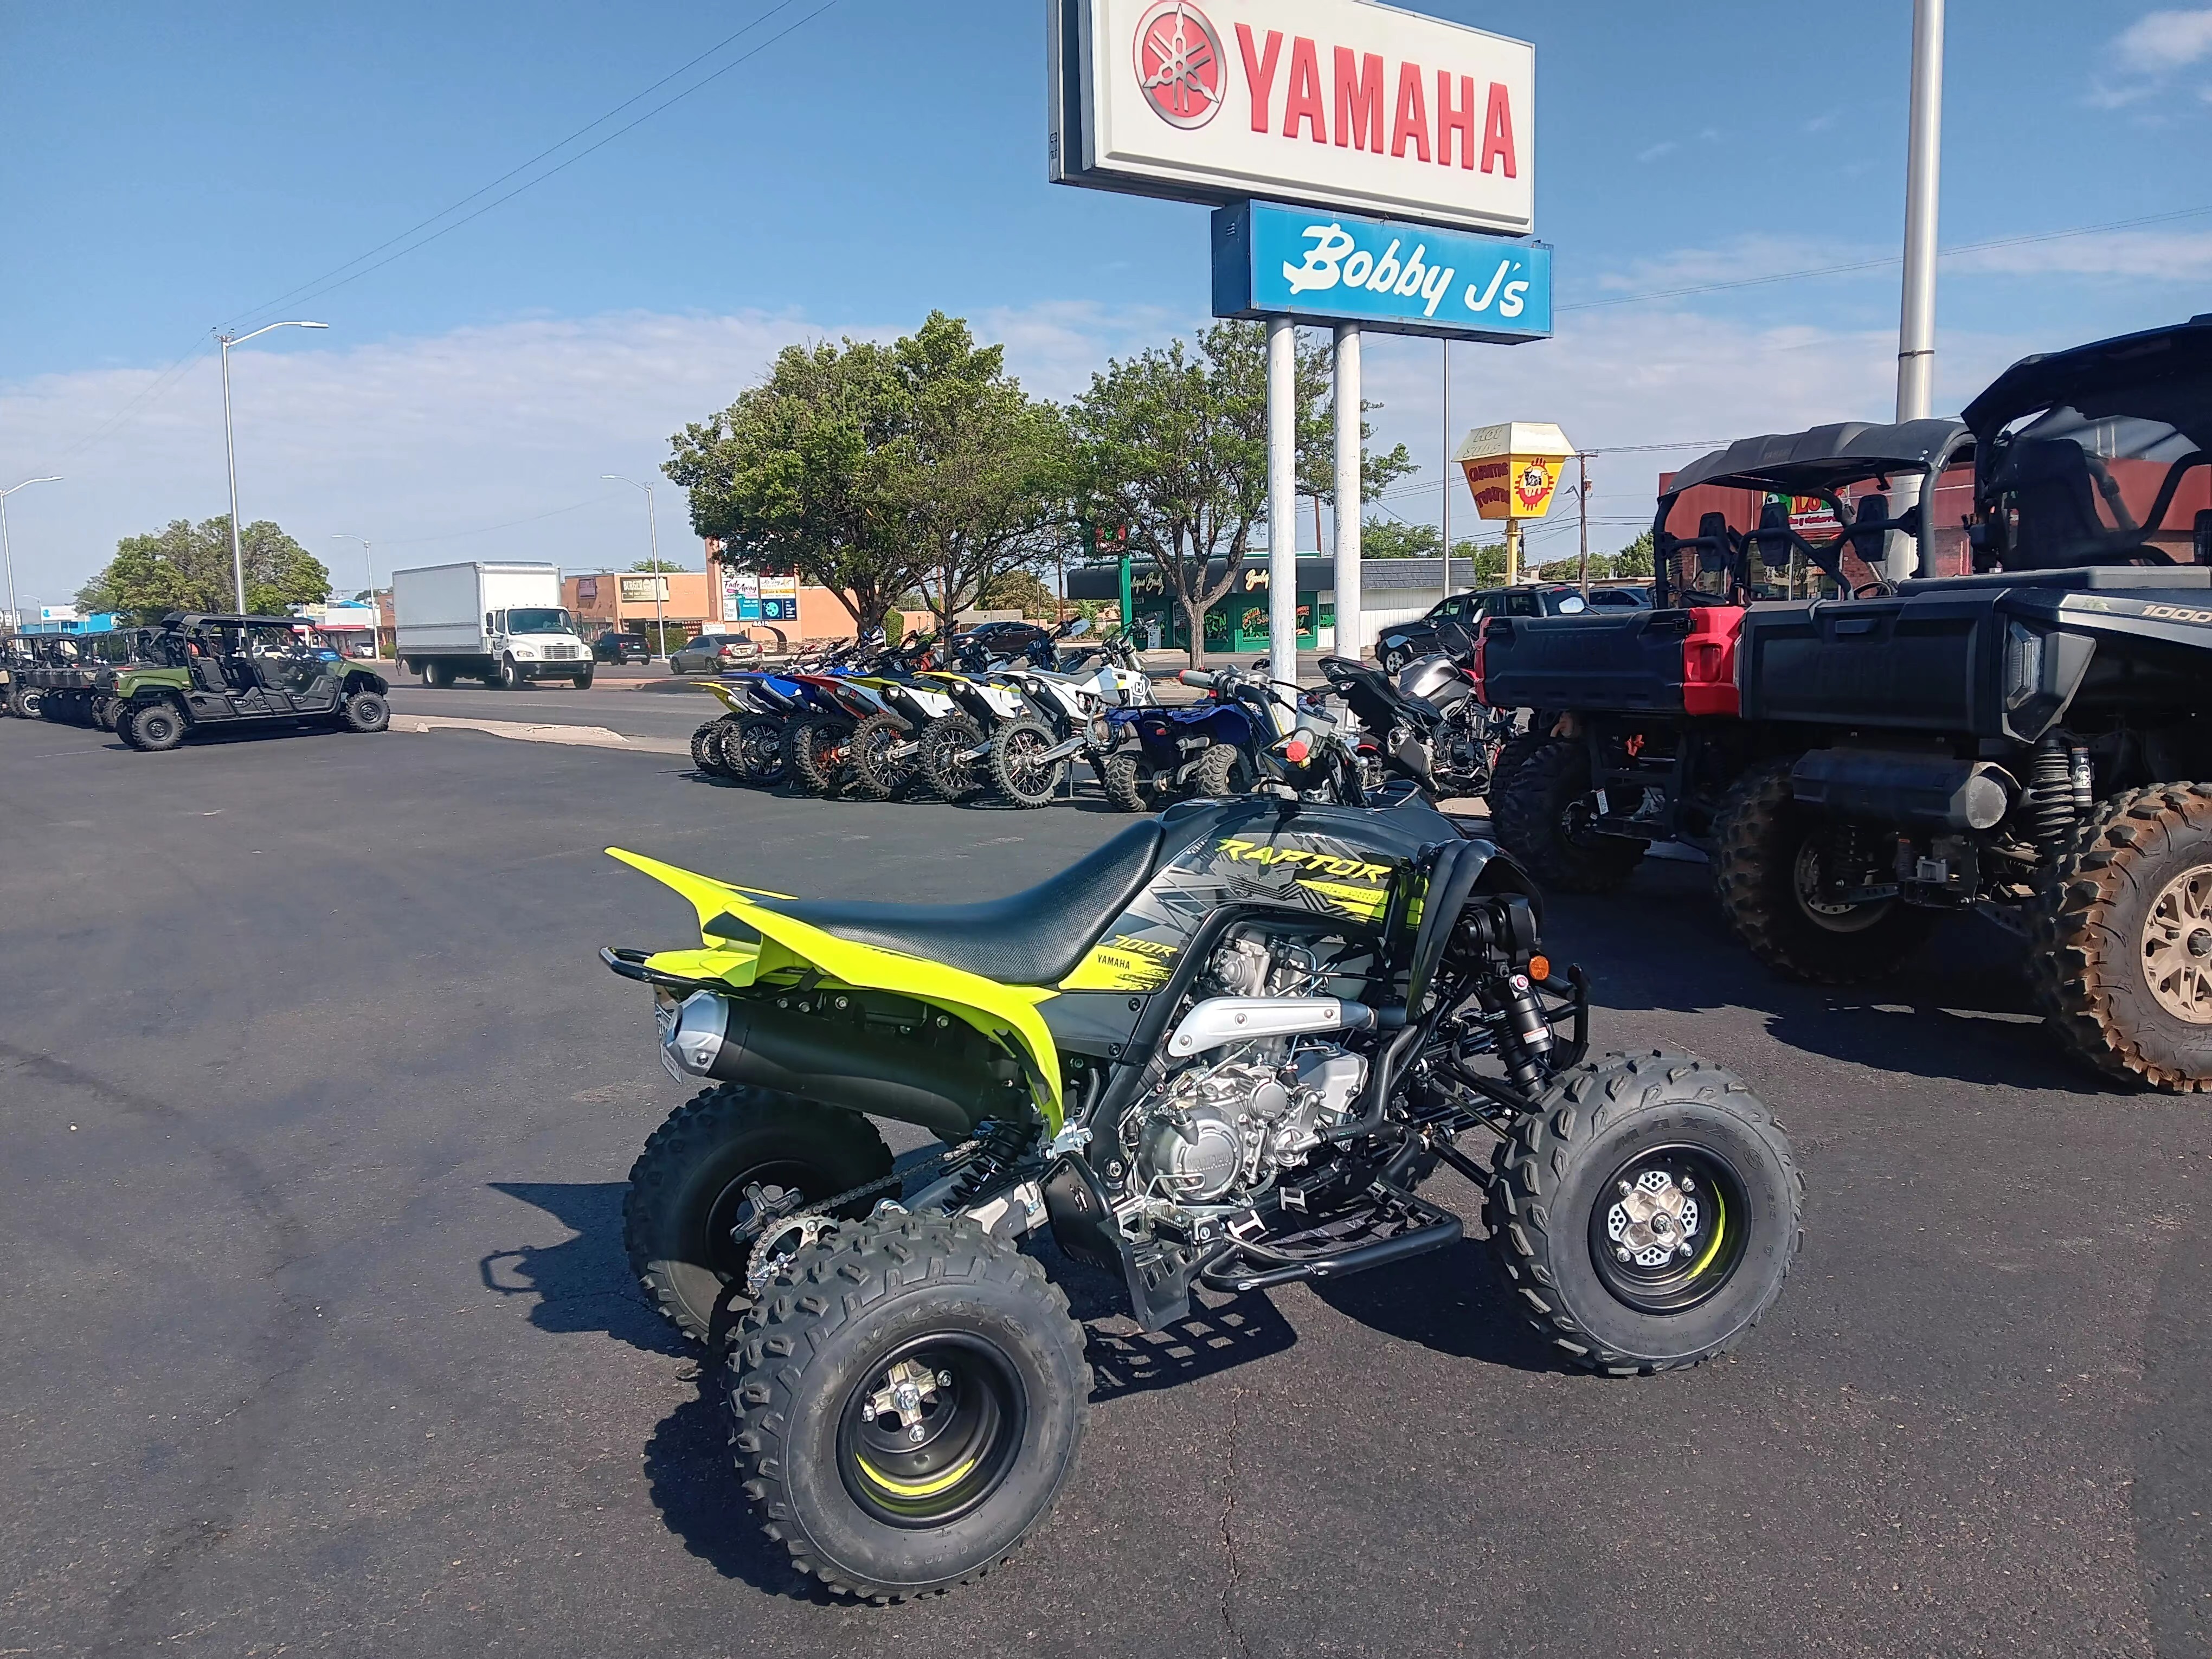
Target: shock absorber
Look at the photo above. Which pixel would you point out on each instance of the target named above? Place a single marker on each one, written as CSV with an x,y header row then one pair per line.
x,y
1003,1146
1526,1035
2051,810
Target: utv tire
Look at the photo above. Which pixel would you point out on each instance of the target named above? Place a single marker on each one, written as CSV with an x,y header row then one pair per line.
x,y
815,748
944,746
1016,773
365,711
1536,810
1512,754
687,1189
31,703
2120,952
853,1502
878,773
1130,784
706,748
751,748
103,713
1759,835
1220,773
156,728
1692,1144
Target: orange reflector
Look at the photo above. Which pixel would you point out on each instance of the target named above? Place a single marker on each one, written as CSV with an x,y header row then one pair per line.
x,y
1540,968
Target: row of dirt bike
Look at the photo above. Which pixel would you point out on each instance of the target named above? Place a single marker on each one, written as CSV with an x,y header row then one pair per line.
x,y
870,721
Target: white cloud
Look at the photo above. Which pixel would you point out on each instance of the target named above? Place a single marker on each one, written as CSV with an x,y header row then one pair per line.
x,y
1665,147
1740,258
2153,256
2149,55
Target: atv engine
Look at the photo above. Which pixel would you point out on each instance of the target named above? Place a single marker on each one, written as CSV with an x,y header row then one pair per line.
x,y
1219,1128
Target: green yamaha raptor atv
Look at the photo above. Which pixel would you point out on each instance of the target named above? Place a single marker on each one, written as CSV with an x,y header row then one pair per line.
x,y
1224,1050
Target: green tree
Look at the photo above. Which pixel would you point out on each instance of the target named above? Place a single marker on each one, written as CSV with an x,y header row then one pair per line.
x,y
1021,590
653,566
1393,539
1171,444
1482,566
187,567
1635,559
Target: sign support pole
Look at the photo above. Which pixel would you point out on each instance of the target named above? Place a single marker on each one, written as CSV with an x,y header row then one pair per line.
x,y
1916,333
1350,508
1282,498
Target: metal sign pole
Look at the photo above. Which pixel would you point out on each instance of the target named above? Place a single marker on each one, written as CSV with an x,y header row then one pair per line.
x,y
1282,497
1350,508
1447,469
1915,334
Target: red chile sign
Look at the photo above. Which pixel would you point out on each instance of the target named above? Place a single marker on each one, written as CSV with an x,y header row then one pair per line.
x,y
1336,103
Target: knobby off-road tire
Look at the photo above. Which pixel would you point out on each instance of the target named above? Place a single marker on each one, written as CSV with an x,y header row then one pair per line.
x,y
857,1504
2113,925
687,1189
1015,774
944,747
156,727
877,772
814,753
1536,810
364,711
706,748
1559,1211
1129,784
1511,754
751,749
1759,837
1220,773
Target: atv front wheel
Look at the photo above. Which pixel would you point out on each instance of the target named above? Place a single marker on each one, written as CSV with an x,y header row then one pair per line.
x,y
1648,1213
1015,772
815,748
155,728
706,748
1768,872
752,751
728,1161
2121,939
885,760
365,711
907,1401
1543,813
945,748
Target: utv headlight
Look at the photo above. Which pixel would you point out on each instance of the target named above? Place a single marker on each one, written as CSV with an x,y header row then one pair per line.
x,y
2023,664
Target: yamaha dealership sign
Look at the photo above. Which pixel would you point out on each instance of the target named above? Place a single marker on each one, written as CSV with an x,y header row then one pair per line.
x,y
1337,104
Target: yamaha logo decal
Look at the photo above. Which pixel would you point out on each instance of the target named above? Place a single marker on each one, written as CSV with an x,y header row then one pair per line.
x,y
1179,63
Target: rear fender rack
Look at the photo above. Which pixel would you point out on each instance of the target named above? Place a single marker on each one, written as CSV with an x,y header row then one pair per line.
x,y
631,964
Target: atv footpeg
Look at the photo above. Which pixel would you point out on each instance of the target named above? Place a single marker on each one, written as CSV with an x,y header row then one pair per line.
x,y
1390,1226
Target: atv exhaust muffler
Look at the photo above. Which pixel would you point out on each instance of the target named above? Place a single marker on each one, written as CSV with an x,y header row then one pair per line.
x,y
1895,787
839,1063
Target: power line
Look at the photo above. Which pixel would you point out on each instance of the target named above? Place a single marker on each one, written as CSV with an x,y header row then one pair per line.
x,y
1892,259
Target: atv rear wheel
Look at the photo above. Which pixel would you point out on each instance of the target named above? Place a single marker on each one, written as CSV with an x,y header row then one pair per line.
x,y
945,746
907,1401
751,749
815,748
1131,785
733,1159
1767,873
1016,771
365,711
1648,1214
1222,771
880,770
154,727
1542,814
706,748
2121,939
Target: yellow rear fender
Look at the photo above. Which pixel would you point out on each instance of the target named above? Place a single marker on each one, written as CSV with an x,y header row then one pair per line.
x,y
1006,1013
727,696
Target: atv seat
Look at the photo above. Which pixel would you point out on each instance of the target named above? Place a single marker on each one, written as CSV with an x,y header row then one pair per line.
x,y
1031,938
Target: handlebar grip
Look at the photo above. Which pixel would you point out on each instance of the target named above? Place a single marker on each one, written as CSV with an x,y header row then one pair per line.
x,y
1197,677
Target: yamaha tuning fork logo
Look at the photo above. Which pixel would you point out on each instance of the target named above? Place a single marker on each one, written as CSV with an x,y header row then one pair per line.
x,y
1179,63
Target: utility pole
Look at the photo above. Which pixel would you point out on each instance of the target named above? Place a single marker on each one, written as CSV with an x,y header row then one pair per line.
x,y
230,451
7,549
1282,498
1351,503
659,580
1447,473
1582,506
368,570
1916,333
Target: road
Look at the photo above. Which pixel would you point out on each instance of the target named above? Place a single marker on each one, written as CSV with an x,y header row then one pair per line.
x,y
318,1337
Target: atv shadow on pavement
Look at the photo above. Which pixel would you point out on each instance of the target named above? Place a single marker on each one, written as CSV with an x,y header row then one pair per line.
x,y
582,1283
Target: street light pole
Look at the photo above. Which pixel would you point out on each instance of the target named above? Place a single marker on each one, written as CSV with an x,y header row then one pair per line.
x,y
653,540
8,551
367,569
230,451
1916,333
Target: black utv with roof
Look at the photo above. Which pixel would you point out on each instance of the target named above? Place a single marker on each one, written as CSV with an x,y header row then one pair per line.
x,y
201,671
2033,738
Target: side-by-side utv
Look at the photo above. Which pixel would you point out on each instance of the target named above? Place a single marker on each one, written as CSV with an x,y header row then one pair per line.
x,y
204,671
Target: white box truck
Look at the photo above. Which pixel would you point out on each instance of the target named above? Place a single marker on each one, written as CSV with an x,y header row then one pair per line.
x,y
502,623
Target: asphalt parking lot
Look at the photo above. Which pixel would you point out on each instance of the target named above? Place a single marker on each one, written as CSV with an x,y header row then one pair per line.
x,y
318,1337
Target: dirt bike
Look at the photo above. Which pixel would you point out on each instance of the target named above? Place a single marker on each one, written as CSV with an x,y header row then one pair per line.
x,y
1222,1050
1064,718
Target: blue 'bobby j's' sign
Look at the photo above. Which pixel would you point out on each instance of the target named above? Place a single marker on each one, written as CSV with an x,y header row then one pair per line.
x,y
1384,274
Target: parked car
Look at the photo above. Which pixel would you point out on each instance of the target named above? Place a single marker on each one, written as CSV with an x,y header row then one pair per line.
x,y
1002,640
713,654
617,646
1402,642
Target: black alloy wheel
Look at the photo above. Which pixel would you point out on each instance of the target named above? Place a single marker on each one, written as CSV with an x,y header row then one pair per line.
x,y
945,748
1017,770
1663,1241
931,1430
156,727
365,711
752,751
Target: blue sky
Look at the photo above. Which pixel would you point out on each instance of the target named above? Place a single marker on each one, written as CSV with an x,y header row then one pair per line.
x,y
169,168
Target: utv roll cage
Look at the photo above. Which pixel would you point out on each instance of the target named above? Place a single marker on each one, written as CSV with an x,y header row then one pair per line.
x,y
1820,464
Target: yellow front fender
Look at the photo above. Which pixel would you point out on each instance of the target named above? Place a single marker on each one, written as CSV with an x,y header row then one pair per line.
x,y
1006,1013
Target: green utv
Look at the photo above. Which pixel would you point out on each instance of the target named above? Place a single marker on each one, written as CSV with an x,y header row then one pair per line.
x,y
202,671
1224,1050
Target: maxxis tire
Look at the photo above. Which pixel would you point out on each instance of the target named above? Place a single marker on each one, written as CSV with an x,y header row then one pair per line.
x,y
1020,783
1526,811
1127,787
706,748
1757,834
1216,775
2086,933
808,745
817,1338
873,774
954,779
1511,755
1595,1121
156,728
681,1184
751,749
124,717
365,711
